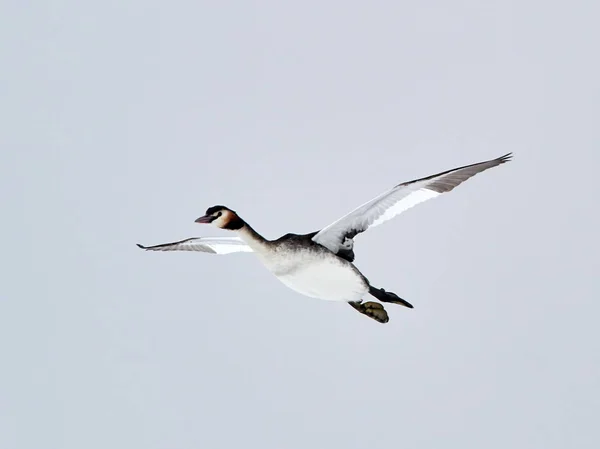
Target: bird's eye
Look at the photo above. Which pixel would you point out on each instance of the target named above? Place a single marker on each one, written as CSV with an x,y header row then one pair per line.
x,y
218,214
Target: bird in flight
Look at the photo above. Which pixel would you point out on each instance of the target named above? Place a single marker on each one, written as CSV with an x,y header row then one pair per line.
x,y
320,264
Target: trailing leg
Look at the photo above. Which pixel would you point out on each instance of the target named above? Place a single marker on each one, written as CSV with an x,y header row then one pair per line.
x,y
384,296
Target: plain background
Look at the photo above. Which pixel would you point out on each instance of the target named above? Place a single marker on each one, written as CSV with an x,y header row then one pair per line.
x,y
121,122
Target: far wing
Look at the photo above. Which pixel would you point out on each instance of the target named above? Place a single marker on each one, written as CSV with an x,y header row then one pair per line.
x,y
213,245
338,236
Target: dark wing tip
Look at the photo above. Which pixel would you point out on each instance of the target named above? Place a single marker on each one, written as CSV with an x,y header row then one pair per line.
x,y
445,185
141,246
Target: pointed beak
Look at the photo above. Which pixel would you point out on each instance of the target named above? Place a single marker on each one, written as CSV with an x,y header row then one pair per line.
x,y
205,219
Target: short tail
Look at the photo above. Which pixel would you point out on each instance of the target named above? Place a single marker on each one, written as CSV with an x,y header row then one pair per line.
x,y
384,296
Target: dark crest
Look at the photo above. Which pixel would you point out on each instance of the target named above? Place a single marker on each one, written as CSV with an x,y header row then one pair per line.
x,y
212,210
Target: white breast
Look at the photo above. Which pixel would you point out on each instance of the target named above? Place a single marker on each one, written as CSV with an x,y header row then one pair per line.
x,y
318,276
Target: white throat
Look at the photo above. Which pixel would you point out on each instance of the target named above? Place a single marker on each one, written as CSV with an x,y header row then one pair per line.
x,y
253,239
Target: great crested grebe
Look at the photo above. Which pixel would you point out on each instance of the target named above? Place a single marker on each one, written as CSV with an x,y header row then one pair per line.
x,y
319,264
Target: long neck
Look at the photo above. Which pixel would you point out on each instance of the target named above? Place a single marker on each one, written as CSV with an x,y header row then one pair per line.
x,y
254,240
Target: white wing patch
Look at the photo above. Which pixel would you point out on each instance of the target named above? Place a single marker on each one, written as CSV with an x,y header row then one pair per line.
x,y
339,234
411,200
212,245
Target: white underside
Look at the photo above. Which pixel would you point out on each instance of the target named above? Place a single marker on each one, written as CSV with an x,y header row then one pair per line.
x,y
311,270
325,279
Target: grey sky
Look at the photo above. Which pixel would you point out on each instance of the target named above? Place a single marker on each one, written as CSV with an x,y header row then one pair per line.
x,y
121,122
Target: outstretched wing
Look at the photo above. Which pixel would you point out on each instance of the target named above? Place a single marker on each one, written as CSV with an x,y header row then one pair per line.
x,y
213,245
338,236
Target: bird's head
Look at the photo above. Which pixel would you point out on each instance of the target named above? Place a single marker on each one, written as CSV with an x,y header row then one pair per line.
x,y
221,217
